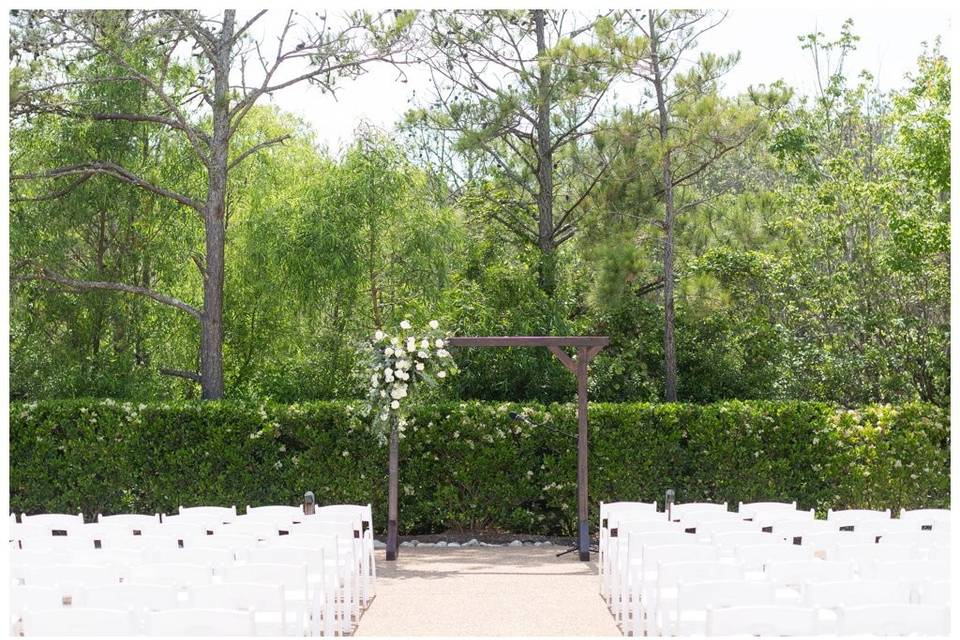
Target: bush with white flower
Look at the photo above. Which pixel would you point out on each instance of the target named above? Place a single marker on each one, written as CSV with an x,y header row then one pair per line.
x,y
396,364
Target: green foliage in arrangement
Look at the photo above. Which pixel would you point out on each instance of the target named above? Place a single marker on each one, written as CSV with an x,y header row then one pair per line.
x,y
469,465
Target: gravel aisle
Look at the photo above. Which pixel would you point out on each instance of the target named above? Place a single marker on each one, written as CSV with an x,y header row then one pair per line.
x,y
486,591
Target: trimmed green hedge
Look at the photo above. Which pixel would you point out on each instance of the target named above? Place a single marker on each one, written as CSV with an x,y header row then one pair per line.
x,y
468,465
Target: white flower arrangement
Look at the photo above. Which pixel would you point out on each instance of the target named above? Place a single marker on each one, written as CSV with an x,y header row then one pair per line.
x,y
397,363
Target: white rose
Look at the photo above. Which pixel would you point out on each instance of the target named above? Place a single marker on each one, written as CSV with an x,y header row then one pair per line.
x,y
400,353
441,374
411,344
423,354
405,324
424,344
403,364
396,394
395,405
443,353
419,366
378,336
439,343
395,341
388,351
383,394
434,324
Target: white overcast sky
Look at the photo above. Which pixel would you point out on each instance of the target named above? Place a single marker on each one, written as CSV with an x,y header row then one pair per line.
x,y
890,41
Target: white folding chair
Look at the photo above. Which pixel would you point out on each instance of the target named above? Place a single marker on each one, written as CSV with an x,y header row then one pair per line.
x,y
201,622
237,544
727,541
54,544
694,598
914,573
754,557
23,598
260,529
20,531
688,510
793,529
69,577
617,537
865,556
918,539
369,568
53,521
215,558
265,600
180,529
322,580
895,620
348,534
762,620
935,592
853,517
219,514
622,572
339,590
643,582
134,519
927,516
622,509
750,510
828,598
179,575
293,577
128,595
791,577
823,541
138,542
672,574
69,621
275,513
708,529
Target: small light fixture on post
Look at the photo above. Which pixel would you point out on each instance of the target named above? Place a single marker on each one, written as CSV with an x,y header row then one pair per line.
x,y
309,503
671,495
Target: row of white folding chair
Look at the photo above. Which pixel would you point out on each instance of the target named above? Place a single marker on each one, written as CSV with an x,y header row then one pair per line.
x,y
363,514
772,620
686,590
118,622
266,600
753,510
616,522
337,577
75,581
753,560
688,613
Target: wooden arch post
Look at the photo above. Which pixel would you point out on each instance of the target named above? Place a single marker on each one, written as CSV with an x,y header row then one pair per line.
x,y
586,348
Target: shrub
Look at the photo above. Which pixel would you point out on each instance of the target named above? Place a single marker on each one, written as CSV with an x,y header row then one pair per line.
x,y
469,465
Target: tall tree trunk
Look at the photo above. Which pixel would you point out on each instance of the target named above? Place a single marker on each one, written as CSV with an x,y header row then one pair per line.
x,y
545,241
214,218
669,344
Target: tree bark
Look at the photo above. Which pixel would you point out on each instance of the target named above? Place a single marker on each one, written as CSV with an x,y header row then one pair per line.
x,y
545,233
214,217
669,343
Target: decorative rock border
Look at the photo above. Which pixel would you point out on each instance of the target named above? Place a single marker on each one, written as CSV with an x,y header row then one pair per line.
x,y
473,542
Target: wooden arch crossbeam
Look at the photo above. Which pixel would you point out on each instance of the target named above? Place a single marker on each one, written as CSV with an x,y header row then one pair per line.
x,y
587,347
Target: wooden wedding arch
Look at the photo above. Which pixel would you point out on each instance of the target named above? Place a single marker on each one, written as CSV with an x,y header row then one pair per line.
x,y
586,348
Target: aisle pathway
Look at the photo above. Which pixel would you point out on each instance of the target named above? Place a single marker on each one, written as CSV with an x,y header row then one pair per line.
x,y
486,591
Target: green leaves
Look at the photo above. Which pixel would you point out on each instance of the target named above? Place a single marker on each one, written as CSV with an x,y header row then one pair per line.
x,y
468,464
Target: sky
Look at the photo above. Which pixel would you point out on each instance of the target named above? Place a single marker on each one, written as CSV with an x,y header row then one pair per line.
x,y
890,41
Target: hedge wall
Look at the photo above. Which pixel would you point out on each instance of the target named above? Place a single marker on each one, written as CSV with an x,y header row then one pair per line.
x,y
467,465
